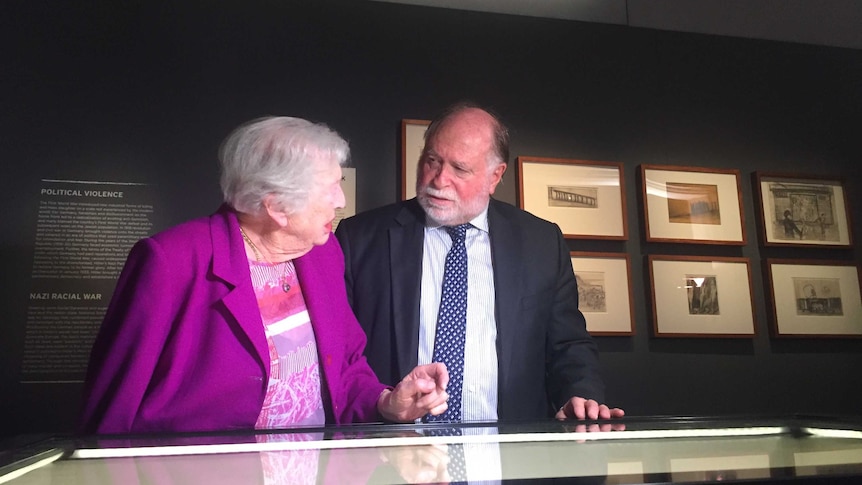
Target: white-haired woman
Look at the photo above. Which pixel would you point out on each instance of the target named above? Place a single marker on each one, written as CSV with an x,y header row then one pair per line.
x,y
240,320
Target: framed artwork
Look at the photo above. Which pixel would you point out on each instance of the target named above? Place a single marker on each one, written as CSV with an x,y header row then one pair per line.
x,y
814,298
701,296
692,205
802,210
605,292
412,143
585,198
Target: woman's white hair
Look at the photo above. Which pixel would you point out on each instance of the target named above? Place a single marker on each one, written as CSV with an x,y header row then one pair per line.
x,y
278,156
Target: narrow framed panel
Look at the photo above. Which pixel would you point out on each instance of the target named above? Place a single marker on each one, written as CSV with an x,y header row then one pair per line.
x,y
802,210
412,143
692,205
701,296
348,186
585,198
814,298
605,292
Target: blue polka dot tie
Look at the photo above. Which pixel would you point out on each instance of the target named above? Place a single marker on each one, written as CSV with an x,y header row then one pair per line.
x,y
452,322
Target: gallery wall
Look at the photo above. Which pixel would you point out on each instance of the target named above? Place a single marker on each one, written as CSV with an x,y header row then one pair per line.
x,y
143,92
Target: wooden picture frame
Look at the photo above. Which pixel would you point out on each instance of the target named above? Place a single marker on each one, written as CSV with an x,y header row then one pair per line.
x,y
692,205
701,296
814,298
412,143
802,210
605,292
585,198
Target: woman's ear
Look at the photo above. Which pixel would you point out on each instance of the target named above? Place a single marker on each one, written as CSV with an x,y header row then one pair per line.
x,y
275,211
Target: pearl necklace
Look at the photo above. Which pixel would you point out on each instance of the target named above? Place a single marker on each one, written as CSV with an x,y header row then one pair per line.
x,y
285,286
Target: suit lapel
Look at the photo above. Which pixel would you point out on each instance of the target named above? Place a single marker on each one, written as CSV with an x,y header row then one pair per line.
x,y
507,258
406,240
231,265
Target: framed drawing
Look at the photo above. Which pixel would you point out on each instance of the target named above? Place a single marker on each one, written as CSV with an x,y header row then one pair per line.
x,y
412,142
814,298
701,296
585,198
605,292
692,205
802,210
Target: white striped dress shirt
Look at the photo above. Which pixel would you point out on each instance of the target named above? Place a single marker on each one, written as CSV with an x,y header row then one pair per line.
x,y
479,397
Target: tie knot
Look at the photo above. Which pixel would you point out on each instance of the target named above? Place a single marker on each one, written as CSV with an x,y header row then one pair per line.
x,y
458,233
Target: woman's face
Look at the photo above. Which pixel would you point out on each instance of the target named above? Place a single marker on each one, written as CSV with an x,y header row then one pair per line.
x,y
312,226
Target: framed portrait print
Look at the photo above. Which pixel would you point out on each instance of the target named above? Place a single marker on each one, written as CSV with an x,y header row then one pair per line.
x,y
605,292
814,298
692,205
412,143
701,296
585,198
802,210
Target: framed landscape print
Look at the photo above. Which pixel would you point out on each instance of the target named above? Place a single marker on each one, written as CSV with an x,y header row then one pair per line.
x,y
412,142
802,210
814,298
701,296
585,198
605,292
692,205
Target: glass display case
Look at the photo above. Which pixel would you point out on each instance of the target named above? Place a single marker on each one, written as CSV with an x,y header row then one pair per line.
x,y
795,449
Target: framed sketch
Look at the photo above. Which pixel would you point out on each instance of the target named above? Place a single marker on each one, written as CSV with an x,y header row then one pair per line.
x,y
585,198
605,292
814,298
412,143
692,205
802,210
701,296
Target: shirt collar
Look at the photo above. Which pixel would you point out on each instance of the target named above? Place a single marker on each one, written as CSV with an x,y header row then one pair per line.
x,y
479,222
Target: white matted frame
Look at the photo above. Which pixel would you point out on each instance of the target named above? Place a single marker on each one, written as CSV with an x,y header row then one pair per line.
x,y
692,205
605,292
814,298
412,143
585,198
701,296
802,210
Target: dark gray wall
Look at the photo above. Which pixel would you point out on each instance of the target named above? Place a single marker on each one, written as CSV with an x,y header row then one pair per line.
x,y
145,91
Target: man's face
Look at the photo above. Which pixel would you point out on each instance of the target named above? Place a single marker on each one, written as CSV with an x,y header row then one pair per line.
x,y
454,181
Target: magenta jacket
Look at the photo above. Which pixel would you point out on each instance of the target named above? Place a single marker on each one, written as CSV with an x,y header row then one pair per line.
x,y
182,346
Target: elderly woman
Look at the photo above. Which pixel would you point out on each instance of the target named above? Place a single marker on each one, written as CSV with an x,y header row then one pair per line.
x,y
240,320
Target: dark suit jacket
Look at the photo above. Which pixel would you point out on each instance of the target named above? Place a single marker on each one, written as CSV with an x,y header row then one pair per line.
x,y
544,352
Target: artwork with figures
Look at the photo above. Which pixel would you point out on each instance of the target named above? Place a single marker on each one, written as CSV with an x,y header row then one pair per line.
x,y
702,295
591,291
693,203
818,296
803,211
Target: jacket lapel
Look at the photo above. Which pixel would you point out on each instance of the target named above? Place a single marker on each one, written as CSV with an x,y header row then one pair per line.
x,y
406,247
231,266
507,258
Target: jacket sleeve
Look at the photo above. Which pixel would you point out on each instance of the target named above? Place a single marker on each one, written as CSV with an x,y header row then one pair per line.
x,y
357,387
129,342
573,366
